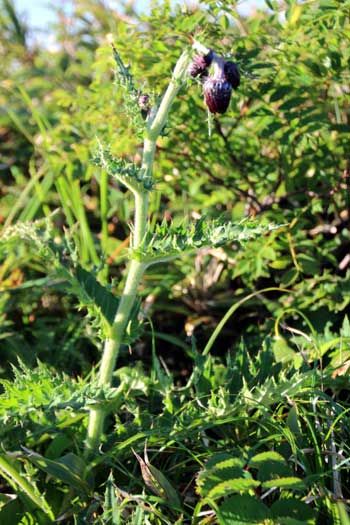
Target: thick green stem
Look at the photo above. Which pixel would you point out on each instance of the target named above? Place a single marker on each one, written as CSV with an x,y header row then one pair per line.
x,y
135,269
175,83
110,352
111,349
141,210
149,148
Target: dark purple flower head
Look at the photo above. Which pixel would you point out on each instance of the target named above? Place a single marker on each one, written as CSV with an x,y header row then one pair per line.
x,y
217,89
217,93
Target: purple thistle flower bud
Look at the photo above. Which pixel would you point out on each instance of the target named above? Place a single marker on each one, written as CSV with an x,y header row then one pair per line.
x,y
198,68
232,74
195,70
217,93
217,90
143,103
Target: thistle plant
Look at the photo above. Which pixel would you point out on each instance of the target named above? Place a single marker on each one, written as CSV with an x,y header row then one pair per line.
x,y
149,245
165,242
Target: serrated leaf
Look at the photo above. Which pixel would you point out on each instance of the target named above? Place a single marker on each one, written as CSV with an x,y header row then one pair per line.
x,y
271,466
221,457
39,233
98,294
11,470
263,457
220,469
292,512
132,176
36,390
223,461
242,510
289,482
232,485
63,259
123,71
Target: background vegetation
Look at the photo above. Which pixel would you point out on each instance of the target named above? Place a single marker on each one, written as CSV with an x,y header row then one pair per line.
x,y
256,431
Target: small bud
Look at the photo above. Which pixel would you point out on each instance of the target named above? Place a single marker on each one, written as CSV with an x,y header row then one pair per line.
x,y
232,74
143,102
217,93
195,70
198,68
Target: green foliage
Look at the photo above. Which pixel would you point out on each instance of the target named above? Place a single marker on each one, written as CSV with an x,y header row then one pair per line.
x,y
61,256
279,444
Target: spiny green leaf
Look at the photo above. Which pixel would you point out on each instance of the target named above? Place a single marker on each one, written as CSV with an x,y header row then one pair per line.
x,y
37,393
11,470
123,72
272,392
38,232
124,80
232,485
69,469
63,258
133,177
97,294
169,241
